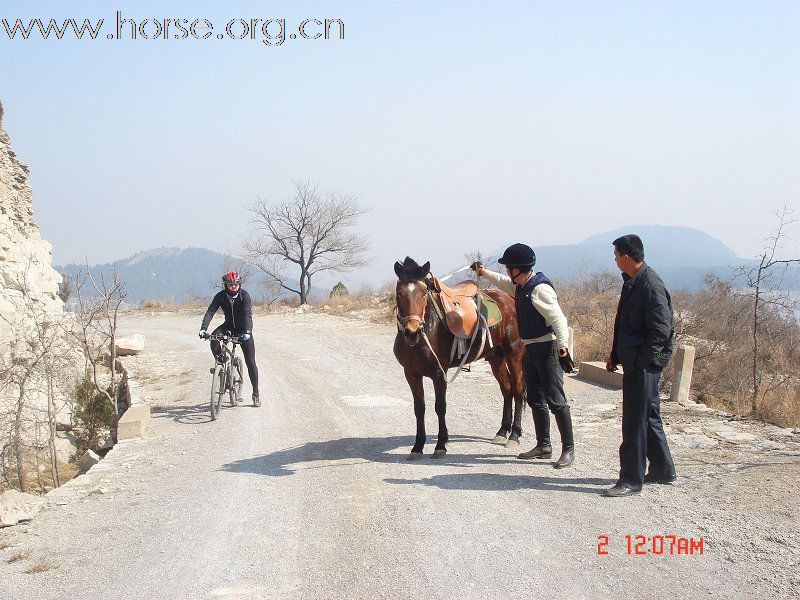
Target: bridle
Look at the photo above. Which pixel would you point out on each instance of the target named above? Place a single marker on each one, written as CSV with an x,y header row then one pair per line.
x,y
403,320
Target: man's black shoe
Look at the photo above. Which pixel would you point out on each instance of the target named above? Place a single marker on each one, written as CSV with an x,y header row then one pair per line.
x,y
665,480
567,456
537,452
619,491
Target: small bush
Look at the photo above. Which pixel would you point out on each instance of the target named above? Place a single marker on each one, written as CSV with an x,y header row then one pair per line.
x,y
94,415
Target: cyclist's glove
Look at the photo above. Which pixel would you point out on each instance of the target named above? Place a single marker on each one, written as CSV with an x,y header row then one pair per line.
x,y
244,337
203,334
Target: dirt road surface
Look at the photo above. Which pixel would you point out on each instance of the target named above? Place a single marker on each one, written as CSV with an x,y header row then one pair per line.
x,y
311,495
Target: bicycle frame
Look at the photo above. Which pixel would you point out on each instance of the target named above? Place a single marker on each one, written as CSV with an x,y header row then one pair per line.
x,y
226,378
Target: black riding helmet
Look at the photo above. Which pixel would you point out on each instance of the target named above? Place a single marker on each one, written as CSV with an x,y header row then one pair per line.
x,y
519,256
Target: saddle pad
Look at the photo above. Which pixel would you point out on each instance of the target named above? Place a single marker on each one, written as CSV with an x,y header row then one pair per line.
x,y
490,310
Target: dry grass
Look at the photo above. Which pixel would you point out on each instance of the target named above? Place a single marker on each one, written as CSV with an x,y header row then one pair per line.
x,y
376,306
182,396
188,306
41,566
17,557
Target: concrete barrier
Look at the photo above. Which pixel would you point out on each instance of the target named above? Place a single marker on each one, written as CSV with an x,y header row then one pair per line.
x,y
133,423
596,371
682,379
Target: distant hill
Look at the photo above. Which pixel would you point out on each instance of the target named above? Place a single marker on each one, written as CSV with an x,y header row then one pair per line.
x,y
681,255
168,274
176,274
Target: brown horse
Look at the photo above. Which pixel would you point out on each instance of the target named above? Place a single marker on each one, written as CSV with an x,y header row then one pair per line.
x,y
423,347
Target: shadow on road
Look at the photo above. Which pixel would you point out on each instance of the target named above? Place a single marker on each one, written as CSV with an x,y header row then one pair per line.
x,y
330,454
185,415
499,482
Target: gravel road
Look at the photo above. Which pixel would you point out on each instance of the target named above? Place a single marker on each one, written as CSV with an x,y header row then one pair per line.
x,y
311,495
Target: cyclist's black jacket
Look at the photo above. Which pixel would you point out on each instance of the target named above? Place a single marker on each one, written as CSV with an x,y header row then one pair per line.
x,y
238,311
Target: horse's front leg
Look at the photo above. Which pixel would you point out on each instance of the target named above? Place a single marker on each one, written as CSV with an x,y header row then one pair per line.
x,y
440,388
418,392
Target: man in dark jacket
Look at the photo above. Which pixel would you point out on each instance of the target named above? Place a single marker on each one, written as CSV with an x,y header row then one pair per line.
x,y
238,309
643,331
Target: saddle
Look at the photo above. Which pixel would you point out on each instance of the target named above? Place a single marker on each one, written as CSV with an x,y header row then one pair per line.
x,y
459,306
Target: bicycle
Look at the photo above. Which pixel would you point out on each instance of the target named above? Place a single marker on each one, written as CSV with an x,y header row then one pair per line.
x,y
226,372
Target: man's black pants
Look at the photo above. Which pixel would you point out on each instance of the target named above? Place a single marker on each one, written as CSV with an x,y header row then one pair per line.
x,y
248,351
642,431
544,380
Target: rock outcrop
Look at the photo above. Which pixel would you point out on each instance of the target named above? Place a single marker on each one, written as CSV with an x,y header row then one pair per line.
x,y
38,365
28,282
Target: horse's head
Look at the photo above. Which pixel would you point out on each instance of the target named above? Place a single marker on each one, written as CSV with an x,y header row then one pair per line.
x,y
411,296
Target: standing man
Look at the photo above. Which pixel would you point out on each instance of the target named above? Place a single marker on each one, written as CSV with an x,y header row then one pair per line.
x,y
643,331
238,310
543,329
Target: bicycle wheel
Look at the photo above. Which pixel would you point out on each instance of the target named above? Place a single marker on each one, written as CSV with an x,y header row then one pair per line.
x,y
236,382
217,390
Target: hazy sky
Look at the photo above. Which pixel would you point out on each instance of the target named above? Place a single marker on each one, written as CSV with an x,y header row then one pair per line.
x,y
462,125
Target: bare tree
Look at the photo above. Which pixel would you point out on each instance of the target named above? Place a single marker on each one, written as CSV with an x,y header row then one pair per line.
x,y
309,230
96,329
770,298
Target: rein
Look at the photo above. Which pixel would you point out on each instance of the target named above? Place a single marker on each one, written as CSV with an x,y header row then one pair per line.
x,y
403,320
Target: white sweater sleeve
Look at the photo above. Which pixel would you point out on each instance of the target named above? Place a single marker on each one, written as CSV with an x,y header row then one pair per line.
x,y
546,302
501,281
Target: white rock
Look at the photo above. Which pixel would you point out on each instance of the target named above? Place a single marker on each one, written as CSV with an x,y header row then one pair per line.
x,y
693,441
732,435
16,507
129,345
66,446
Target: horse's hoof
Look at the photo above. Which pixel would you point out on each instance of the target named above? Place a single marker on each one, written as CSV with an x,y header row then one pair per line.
x,y
414,456
439,453
499,439
512,443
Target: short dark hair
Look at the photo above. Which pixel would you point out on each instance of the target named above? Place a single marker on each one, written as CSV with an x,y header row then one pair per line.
x,y
631,245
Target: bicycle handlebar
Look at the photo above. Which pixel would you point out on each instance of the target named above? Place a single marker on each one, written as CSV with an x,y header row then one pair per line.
x,y
223,337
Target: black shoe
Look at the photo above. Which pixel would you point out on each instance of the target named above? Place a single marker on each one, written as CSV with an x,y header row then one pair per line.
x,y
256,400
619,491
537,452
664,480
567,456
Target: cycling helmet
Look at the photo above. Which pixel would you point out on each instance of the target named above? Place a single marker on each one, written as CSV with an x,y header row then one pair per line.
x,y
231,278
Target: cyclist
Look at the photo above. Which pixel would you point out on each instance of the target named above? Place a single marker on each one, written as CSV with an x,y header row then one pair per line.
x,y
238,308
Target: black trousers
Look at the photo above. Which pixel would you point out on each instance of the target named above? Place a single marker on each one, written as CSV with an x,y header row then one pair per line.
x,y
544,380
643,436
248,351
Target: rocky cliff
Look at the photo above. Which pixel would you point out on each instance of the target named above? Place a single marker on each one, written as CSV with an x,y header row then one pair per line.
x,y
28,282
38,364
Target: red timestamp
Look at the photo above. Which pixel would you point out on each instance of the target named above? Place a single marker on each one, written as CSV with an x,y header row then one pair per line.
x,y
640,545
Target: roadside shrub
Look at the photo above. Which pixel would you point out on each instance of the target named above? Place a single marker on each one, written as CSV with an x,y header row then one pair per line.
x,y
94,415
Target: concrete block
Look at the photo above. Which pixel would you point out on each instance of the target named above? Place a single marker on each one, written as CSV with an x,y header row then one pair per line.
x,y
87,461
682,379
596,371
133,423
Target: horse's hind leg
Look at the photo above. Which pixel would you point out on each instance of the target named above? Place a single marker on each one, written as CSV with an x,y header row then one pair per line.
x,y
503,378
440,388
517,377
418,391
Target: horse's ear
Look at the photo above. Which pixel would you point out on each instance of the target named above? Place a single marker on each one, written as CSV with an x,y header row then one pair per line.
x,y
425,269
398,269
